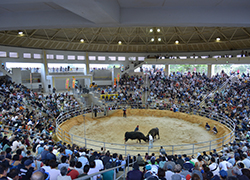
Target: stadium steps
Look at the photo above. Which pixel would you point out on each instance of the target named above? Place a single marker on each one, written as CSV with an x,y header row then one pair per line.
x,y
220,89
4,73
135,67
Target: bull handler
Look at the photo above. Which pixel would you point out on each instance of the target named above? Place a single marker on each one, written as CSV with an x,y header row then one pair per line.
x,y
137,128
151,140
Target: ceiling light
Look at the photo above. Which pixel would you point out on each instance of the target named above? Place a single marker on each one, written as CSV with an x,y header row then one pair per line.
x,y
159,39
217,39
20,33
119,42
176,42
152,39
158,30
151,30
82,40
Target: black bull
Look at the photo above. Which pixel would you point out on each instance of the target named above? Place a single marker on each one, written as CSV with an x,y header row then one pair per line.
x,y
154,132
135,135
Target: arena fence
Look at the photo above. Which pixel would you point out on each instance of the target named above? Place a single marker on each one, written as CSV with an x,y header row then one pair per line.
x,y
189,149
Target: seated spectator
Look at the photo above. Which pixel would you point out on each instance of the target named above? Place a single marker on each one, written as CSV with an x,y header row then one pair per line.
x,y
169,172
135,174
72,172
85,171
207,127
53,172
109,174
177,175
64,176
93,170
215,131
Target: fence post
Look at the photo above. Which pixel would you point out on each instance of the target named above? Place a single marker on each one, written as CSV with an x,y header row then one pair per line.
x,y
72,139
63,136
148,149
128,161
172,150
125,148
223,141
193,149
85,142
210,146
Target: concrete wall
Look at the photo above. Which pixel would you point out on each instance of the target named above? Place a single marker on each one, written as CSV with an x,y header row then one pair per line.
x,y
16,75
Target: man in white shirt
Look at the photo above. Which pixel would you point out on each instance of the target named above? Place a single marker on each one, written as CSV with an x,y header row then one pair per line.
x,y
16,144
53,172
224,165
169,173
93,170
246,161
214,167
150,141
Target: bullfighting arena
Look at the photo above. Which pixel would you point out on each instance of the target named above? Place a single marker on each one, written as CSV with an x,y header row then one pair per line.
x,y
175,129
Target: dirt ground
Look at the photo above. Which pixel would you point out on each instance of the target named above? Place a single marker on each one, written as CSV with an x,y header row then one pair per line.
x,y
175,129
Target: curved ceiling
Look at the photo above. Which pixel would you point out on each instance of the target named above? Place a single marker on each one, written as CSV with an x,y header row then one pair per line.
x,y
133,39
61,24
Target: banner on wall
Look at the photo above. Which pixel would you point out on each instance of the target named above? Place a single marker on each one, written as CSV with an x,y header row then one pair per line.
x,y
73,82
67,83
118,77
114,81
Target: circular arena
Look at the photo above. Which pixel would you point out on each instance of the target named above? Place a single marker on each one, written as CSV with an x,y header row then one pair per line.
x,y
179,132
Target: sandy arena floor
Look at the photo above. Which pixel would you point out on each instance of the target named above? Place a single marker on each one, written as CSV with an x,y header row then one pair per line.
x,y
174,128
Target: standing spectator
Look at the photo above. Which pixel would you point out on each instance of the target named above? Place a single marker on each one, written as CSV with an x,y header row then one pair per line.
x,y
151,140
162,151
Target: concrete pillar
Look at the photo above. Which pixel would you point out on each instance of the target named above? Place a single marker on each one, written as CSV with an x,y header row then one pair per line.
x,y
209,70
44,73
167,69
87,62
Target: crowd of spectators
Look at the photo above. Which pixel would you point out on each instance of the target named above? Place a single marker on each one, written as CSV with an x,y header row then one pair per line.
x,y
28,150
231,163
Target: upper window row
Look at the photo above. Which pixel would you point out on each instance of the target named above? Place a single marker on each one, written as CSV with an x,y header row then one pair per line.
x,y
25,55
69,57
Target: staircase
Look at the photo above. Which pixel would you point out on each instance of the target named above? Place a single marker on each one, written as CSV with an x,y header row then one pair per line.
x,y
135,67
220,89
5,72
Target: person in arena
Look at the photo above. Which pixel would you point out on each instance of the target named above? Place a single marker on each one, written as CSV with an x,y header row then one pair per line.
x,y
137,128
215,131
207,127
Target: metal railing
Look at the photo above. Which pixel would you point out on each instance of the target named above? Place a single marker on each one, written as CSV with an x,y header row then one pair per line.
x,y
125,168
124,149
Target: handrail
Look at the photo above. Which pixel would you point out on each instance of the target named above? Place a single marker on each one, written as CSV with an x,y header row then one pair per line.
x,y
213,144
111,169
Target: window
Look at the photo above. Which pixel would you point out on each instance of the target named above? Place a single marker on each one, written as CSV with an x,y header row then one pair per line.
x,y
92,58
80,58
71,57
101,58
13,54
3,54
183,57
50,56
27,55
141,58
204,57
37,56
217,56
112,58
59,56
132,58
121,58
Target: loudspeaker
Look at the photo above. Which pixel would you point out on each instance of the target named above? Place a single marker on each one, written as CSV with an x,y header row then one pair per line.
x,y
49,86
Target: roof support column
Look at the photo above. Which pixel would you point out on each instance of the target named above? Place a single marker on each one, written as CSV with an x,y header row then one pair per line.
x,y
167,69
